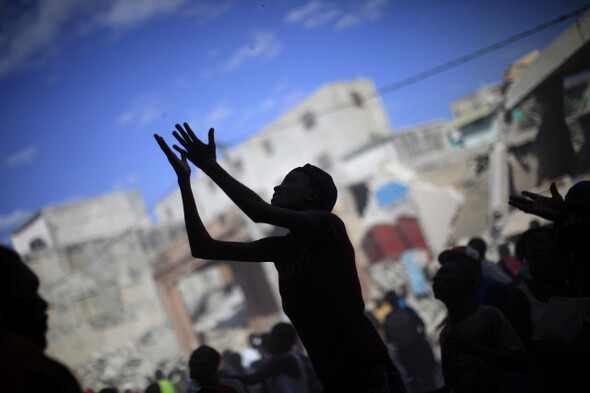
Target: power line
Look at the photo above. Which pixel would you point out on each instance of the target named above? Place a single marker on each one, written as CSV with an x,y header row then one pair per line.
x,y
442,67
478,53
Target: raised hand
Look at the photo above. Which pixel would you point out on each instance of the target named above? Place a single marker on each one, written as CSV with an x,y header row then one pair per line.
x,y
196,151
550,208
180,165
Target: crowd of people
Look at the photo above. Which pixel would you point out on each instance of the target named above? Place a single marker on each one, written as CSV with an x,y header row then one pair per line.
x,y
518,325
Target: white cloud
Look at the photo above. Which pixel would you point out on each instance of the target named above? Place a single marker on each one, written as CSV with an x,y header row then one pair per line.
x,y
205,12
374,9
264,45
143,111
29,36
219,113
130,180
127,13
314,14
304,12
32,32
280,100
13,219
347,21
21,157
341,16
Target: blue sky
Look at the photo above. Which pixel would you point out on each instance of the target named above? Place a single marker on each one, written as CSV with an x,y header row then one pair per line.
x,y
85,84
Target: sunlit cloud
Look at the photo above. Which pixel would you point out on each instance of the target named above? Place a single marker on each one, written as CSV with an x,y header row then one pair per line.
x,y
340,16
143,111
263,45
13,219
21,157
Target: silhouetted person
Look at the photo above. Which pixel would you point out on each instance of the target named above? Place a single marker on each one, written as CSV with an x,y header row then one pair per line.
x,y
531,297
283,371
488,291
264,348
23,325
478,345
571,225
405,330
530,300
231,362
562,336
203,368
489,269
318,281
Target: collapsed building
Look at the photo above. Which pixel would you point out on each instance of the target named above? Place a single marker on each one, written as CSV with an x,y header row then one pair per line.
x,y
124,288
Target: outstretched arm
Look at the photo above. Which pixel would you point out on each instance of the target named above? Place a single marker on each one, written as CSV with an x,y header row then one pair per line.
x,y
201,243
204,157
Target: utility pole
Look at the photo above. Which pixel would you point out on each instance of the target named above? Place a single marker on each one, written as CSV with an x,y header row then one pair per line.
x,y
498,179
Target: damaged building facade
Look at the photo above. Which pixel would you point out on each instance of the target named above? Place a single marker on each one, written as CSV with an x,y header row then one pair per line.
x,y
93,257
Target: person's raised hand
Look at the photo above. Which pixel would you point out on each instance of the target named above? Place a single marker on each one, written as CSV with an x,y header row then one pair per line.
x,y
180,165
195,150
550,208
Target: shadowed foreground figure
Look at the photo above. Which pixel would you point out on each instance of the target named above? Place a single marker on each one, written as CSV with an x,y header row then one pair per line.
x,y
318,281
24,367
561,337
478,346
203,367
283,371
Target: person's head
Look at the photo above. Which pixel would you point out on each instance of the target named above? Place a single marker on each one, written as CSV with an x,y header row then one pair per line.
x,y
283,337
479,245
232,359
577,200
204,363
455,279
23,311
265,345
304,188
392,298
159,375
